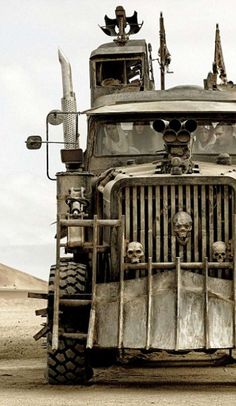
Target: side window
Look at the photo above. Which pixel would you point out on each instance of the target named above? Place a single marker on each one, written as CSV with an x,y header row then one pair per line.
x,y
134,71
109,73
112,73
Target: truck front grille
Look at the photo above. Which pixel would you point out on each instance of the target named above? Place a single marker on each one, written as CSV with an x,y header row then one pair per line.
x,y
149,211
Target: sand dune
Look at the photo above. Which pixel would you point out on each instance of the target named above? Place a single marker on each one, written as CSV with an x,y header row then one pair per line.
x,y
13,279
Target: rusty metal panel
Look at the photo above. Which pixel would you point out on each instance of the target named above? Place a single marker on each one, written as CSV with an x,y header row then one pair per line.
x,y
220,321
205,308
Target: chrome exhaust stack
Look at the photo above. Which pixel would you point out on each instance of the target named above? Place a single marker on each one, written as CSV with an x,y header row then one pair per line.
x,y
68,104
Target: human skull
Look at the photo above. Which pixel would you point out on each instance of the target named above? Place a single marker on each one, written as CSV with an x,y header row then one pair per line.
x,y
135,252
219,251
182,223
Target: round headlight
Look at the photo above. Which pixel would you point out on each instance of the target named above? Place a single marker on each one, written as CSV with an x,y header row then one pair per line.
x,y
183,136
169,136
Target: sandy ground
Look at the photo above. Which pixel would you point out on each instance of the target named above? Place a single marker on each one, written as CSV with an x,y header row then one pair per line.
x,y
22,364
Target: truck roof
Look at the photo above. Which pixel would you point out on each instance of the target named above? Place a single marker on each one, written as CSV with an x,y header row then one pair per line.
x,y
112,49
179,99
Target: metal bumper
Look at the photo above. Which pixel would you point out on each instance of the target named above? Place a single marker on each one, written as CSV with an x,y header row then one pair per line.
x,y
177,309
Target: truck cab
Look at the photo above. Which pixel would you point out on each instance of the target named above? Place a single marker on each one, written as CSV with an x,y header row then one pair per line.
x,y
146,216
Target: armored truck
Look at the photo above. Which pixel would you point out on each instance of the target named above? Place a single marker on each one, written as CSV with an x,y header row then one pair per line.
x,y
146,215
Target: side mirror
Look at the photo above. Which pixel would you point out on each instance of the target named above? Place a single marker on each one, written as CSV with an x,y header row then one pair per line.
x,y
55,117
34,142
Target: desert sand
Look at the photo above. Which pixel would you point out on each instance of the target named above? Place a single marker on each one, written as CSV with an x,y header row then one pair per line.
x,y
23,361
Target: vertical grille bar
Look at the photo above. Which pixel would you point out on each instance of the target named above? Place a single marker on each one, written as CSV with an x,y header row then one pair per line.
x,y
218,210
178,294
142,217
158,224
206,327
211,219
173,211
134,217
188,210
195,222
127,211
121,286
180,207
149,303
226,213
203,216
150,221
234,274
165,221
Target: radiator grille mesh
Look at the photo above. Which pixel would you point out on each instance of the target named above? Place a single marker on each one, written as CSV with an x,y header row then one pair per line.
x,y
149,211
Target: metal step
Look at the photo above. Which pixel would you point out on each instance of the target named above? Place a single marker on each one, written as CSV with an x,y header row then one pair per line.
x,y
78,336
75,302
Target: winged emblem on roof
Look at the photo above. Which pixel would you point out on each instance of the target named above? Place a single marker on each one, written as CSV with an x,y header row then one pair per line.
x,y
121,26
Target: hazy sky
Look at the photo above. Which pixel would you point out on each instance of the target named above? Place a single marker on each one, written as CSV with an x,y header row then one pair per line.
x,y
30,86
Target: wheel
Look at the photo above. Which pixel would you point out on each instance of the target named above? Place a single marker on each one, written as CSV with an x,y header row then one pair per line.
x,y
69,363
73,278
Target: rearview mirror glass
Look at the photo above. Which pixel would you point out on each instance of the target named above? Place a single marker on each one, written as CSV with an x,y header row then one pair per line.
x,y
34,142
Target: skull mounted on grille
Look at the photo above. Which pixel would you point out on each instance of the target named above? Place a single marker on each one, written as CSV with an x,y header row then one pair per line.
x,y
182,226
219,251
135,252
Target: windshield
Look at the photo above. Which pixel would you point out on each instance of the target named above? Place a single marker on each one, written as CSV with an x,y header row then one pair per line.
x,y
139,137
127,138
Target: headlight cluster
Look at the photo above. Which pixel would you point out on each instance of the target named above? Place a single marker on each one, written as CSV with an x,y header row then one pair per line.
x,y
175,131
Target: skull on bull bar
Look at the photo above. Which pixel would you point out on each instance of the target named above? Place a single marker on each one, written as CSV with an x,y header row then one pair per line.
x,y
182,225
219,251
134,252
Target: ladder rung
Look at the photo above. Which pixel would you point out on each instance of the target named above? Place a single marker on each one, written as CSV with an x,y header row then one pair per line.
x,y
75,302
37,295
79,336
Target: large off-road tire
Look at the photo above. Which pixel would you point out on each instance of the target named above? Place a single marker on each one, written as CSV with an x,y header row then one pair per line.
x,y
73,278
69,363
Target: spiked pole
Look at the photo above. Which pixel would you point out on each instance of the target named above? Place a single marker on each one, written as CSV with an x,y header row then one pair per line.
x,y
219,63
162,52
